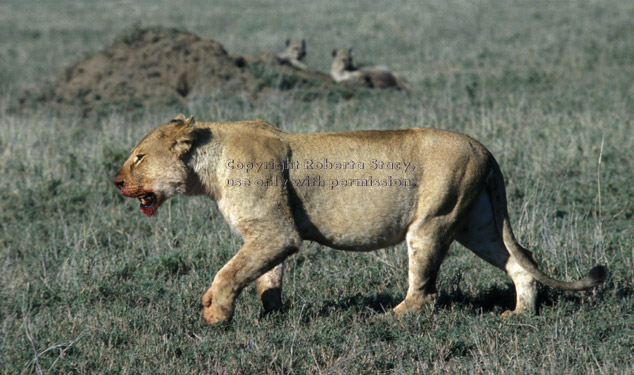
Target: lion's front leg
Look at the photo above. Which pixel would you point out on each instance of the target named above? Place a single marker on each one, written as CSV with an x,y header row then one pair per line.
x,y
219,300
270,288
255,258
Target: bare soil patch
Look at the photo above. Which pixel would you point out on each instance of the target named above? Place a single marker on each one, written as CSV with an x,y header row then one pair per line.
x,y
158,66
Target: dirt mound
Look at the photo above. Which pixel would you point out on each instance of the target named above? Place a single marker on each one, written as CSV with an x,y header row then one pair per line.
x,y
157,66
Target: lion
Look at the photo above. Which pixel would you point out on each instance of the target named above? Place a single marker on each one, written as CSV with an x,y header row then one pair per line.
x,y
357,191
343,70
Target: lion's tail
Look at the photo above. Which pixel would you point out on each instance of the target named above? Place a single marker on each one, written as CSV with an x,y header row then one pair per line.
x,y
497,195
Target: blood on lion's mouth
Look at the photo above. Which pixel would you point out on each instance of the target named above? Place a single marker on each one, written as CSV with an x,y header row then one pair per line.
x,y
147,200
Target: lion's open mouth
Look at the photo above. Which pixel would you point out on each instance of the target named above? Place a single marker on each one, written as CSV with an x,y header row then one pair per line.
x,y
147,200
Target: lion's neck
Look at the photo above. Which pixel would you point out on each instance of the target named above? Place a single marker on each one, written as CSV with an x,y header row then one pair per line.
x,y
202,165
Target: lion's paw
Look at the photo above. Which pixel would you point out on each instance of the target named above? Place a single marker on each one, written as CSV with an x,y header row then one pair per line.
x,y
213,319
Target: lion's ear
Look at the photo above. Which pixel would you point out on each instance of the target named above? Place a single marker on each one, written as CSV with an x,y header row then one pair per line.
x,y
183,143
187,122
190,121
184,140
179,117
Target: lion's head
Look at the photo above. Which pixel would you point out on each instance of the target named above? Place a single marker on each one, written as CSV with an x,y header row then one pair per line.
x,y
155,170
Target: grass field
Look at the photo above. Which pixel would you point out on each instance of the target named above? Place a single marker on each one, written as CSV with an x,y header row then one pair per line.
x,y
88,285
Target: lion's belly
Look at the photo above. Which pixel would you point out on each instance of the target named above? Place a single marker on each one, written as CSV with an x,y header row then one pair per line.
x,y
354,191
364,237
360,218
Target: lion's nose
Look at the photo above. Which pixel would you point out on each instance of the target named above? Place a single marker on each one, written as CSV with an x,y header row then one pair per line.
x,y
118,181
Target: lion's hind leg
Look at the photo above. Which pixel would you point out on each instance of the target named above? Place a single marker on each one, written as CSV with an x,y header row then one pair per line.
x,y
426,249
481,236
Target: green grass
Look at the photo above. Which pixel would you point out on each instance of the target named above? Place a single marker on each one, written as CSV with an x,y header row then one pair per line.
x,y
89,285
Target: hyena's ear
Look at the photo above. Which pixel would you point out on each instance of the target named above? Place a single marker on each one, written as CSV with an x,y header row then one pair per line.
x,y
334,52
185,137
303,43
288,41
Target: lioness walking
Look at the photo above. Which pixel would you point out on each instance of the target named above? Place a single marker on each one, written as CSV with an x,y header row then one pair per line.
x,y
359,191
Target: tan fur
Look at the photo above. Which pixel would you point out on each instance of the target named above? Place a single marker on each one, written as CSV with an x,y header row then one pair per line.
x,y
434,187
294,52
342,69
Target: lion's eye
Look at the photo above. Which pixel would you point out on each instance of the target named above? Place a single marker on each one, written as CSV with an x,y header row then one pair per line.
x,y
139,158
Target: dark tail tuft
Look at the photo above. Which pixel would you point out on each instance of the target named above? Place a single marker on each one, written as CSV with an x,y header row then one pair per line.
x,y
598,274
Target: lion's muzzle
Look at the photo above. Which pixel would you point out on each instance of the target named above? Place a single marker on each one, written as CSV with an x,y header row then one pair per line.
x,y
118,181
149,201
